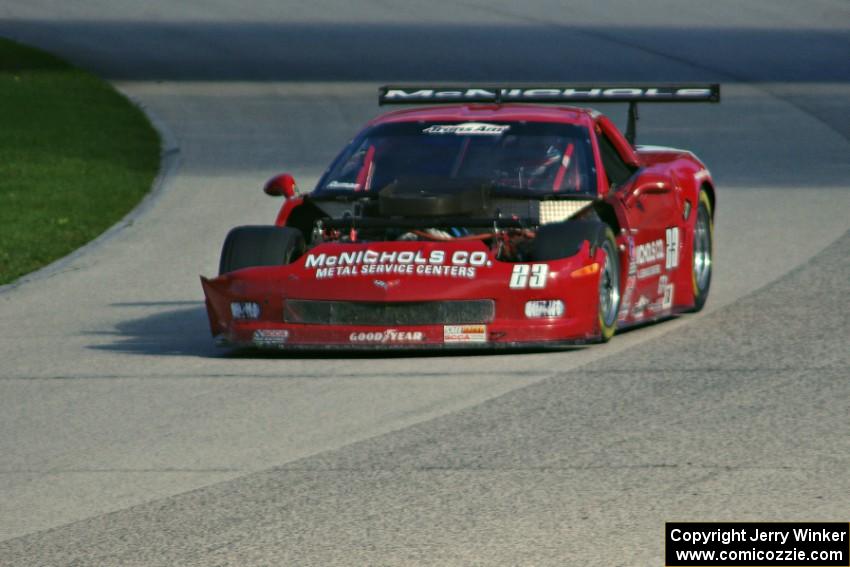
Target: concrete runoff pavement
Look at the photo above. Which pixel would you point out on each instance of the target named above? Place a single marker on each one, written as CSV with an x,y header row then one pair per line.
x,y
117,397
582,467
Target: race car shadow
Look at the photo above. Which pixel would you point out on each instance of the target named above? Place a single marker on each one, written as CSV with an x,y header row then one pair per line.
x,y
179,331
184,331
319,353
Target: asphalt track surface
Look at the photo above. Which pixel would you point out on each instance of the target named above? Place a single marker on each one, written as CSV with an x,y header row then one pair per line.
x,y
126,438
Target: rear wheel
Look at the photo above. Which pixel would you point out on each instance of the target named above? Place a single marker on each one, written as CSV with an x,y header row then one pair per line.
x,y
703,251
609,287
252,246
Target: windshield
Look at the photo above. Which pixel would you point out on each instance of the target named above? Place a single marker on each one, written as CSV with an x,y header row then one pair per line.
x,y
533,158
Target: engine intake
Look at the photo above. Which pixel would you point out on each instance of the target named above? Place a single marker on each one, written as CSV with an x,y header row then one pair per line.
x,y
435,197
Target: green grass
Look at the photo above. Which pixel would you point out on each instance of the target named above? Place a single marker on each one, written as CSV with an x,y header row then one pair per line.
x,y
75,156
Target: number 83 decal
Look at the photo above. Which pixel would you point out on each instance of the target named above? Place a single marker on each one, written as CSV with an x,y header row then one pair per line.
x,y
529,276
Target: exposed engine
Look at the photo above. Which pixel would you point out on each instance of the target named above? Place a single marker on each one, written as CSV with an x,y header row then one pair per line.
x,y
436,210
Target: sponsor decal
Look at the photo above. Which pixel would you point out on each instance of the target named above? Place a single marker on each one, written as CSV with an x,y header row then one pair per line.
x,y
465,333
649,252
343,185
672,257
468,129
555,94
383,284
244,310
626,302
544,308
665,290
631,282
640,306
270,337
436,263
649,271
532,276
386,336
665,300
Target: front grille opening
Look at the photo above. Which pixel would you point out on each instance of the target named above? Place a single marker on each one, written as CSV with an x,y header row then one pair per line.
x,y
459,312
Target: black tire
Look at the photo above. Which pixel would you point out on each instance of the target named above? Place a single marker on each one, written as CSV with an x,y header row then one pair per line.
x,y
702,253
564,239
609,287
251,246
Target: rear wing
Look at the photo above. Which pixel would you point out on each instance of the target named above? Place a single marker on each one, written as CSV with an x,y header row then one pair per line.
x,y
553,94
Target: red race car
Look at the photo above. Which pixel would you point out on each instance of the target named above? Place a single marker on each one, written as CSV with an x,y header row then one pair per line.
x,y
497,217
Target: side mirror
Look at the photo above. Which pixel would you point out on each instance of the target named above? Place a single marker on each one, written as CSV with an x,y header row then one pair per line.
x,y
282,185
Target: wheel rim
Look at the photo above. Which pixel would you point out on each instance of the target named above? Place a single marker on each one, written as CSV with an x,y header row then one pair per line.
x,y
609,287
702,249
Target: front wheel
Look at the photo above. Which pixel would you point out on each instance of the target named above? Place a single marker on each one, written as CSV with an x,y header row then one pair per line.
x,y
703,251
609,287
254,246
